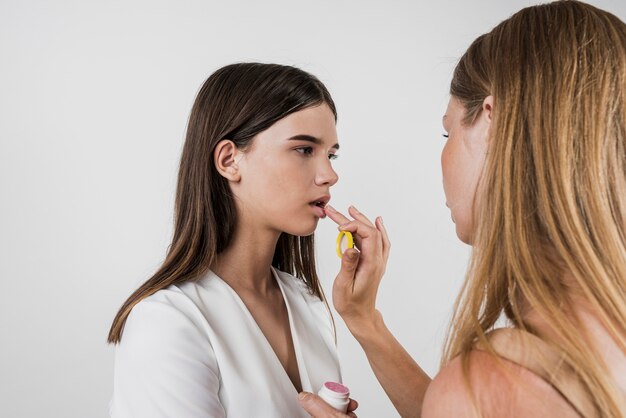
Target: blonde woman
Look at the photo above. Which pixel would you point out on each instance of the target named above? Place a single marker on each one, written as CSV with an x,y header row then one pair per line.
x,y
534,174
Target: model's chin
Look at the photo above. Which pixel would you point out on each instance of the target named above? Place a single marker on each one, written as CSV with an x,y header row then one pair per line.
x,y
304,228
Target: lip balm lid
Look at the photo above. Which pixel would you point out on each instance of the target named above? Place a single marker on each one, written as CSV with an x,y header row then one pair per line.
x,y
337,389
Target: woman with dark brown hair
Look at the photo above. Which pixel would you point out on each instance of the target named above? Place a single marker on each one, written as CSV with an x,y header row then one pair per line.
x,y
235,322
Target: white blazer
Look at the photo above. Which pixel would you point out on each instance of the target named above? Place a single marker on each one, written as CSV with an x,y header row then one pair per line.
x,y
195,351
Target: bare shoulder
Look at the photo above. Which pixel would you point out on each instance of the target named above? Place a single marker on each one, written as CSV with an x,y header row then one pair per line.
x,y
498,388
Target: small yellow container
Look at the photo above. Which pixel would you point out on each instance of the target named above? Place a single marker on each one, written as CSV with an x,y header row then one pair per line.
x,y
350,239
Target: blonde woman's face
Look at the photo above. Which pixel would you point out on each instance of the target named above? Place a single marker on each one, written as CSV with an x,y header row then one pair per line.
x,y
462,161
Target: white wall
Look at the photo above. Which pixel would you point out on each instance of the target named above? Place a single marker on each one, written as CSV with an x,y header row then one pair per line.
x,y
94,98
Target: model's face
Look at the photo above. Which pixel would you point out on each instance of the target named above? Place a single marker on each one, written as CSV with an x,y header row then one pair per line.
x,y
286,174
462,161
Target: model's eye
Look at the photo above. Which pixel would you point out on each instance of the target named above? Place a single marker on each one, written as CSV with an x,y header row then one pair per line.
x,y
305,150
332,156
445,135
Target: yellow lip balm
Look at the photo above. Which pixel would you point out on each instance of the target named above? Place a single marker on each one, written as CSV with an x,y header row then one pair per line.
x,y
348,236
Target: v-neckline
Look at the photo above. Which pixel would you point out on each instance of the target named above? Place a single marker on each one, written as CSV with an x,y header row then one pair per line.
x,y
295,341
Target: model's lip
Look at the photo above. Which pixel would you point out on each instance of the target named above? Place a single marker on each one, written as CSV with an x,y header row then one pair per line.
x,y
321,201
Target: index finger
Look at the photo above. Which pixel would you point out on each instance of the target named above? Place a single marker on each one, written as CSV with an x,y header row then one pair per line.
x,y
335,215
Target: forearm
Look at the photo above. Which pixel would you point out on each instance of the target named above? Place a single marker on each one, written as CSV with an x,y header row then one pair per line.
x,y
400,376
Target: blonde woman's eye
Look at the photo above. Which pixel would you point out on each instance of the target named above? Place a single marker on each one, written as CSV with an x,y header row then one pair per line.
x,y
305,150
445,135
332,156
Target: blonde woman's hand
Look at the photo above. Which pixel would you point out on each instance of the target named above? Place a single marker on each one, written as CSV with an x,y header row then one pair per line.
x,y
356,286
317,408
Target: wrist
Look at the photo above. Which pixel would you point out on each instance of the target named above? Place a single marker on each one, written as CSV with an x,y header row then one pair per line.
x,y
364,328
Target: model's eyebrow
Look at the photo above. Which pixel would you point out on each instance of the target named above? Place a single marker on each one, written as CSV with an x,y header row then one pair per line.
x,y
310,138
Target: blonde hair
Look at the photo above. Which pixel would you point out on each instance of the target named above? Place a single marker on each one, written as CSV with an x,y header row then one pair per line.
x,y
552,197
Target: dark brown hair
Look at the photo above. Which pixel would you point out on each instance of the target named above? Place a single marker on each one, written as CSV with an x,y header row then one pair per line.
x,y
236,102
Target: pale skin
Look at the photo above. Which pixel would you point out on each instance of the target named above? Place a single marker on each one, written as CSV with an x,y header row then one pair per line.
x,y
411,391
274,182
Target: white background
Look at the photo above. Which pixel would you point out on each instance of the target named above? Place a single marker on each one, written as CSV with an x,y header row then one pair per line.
x,y
94,98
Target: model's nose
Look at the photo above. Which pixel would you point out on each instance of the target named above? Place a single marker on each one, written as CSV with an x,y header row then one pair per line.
x,y
327,175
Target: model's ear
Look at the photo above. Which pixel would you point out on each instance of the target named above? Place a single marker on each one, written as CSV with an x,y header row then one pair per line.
x,y
487,108
226,156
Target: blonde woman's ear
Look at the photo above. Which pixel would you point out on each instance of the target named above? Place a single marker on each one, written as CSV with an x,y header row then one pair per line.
x,y
226,156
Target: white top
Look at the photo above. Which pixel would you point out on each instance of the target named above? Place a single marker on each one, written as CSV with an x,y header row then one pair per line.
x,y
195,351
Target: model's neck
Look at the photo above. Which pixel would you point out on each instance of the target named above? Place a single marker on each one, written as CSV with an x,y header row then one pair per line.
x,y
246,262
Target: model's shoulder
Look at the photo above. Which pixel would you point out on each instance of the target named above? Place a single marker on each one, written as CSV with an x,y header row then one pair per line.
x,y
161,313
164,313
170,298
495,386
185,294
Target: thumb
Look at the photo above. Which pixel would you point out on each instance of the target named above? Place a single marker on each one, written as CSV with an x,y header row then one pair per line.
x,y
349,263
316,407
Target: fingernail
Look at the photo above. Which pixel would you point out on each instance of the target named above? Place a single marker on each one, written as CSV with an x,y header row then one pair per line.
x,y
303,395
352,255
357,211
381,220
330,209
